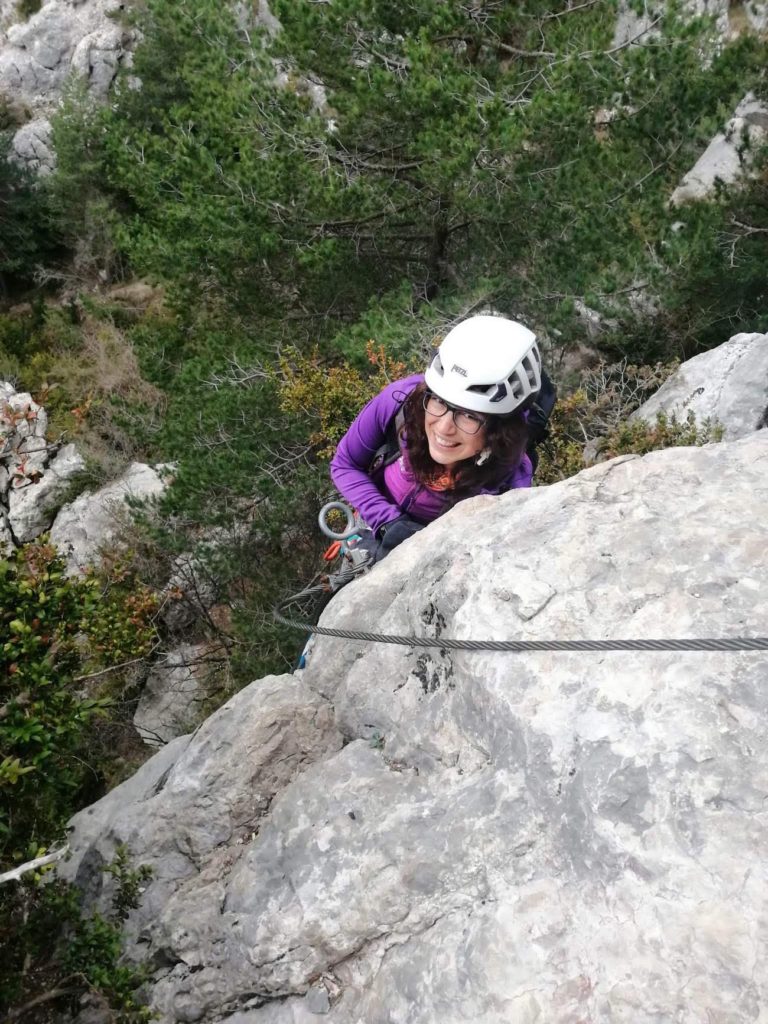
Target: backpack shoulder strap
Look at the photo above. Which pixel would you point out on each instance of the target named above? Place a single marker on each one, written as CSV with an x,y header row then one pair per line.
x,y
389,452
539,414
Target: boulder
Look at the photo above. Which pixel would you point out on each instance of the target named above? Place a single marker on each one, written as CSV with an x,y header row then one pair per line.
x,y
38,55
537,836
728,384
191,590
176,692
6,537
20,417
32,146
729,155
731,18
32,508
92,522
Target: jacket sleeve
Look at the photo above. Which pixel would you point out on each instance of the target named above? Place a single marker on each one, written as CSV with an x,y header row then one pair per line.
x,y
368,432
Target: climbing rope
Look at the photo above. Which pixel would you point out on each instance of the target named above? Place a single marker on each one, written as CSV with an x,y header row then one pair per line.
x,y
739,643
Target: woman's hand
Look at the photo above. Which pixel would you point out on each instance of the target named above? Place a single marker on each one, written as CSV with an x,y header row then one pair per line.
x,y
394,533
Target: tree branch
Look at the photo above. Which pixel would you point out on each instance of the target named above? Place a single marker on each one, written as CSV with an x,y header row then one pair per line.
x,y
32,865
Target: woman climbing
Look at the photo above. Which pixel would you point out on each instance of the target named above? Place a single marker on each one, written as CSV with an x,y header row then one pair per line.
x,y
430,440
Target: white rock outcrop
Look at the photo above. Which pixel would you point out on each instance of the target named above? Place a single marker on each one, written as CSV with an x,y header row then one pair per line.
x,y
32,508
35,475
728,157
531,837
32,146
731,18
92,522
38,55
728,384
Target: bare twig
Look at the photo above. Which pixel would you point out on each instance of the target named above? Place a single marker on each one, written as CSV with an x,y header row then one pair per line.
x,y
32,865
46,997
116,668
639,182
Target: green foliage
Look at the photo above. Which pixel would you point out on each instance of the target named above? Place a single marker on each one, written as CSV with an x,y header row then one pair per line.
x,y
667,432
46,938
596,413
331,396
55,630
26,8
29,236
505,155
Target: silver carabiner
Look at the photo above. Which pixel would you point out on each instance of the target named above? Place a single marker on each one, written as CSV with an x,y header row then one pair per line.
x,y
337,506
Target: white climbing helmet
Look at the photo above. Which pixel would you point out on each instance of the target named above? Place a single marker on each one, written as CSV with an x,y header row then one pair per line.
x,y
487,364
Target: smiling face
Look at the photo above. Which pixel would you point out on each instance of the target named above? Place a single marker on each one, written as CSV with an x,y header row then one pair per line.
x,y
448,444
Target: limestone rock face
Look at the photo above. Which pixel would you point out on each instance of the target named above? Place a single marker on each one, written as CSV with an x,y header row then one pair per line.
x,y
94,519
731,17
174,695
34,474
32,146
729,155
728,384
31,509
541,836
219,783
37,55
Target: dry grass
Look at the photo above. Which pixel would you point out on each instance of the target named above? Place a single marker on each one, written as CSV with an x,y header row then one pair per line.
x,y
96,396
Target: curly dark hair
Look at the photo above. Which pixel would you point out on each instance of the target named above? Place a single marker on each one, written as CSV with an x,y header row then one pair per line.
x,y
506,436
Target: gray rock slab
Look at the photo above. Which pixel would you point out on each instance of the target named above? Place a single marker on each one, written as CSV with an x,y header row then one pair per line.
x,y
81,530
729,155
219,783
191,589
176,691
31,509
728,384
37,55
542,836
6,537
20,417
32,146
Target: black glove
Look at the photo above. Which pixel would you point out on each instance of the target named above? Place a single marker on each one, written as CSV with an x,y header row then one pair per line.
x,y
394,533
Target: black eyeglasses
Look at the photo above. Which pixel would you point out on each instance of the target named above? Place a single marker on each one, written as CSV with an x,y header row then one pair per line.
x,y
467,422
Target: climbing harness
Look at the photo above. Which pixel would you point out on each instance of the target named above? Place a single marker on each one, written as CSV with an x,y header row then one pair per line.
x,y
356,562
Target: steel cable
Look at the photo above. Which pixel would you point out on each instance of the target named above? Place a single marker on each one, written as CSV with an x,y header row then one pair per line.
x,y
739,643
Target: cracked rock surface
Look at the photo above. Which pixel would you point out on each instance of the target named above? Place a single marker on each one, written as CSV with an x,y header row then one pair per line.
x,y
38,55
409,835
728,384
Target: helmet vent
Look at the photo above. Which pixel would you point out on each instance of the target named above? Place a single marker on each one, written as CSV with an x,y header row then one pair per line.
x,y
493,392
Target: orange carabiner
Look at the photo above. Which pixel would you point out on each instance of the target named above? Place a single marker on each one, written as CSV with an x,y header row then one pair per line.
x,y
332,551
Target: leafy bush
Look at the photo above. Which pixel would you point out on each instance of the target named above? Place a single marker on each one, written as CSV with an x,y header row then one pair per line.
x,y
57,631
53,953
26,8
331,396
639,438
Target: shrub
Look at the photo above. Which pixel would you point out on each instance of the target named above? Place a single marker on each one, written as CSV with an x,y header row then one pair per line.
x,y
53,953
331,396
56,632
597,412
26,8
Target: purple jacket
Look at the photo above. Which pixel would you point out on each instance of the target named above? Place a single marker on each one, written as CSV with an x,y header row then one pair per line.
x,y
397,491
